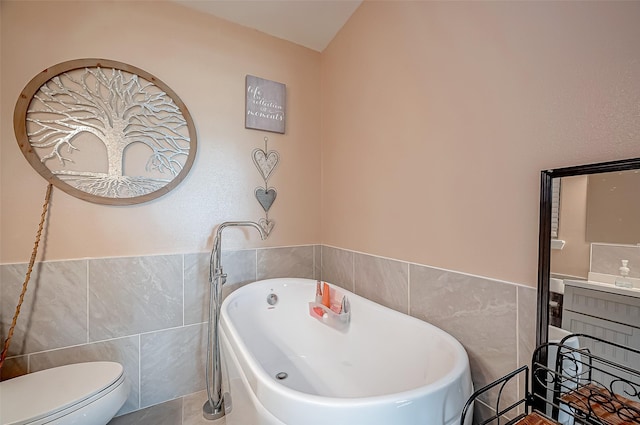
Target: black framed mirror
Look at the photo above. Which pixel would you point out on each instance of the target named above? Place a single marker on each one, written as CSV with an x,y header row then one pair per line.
x,y
545,229
550,228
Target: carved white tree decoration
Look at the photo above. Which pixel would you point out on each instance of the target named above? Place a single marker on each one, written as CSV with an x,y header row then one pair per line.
x,y
89,125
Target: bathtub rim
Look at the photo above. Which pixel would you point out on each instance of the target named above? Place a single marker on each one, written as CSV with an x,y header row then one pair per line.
x,y
460,368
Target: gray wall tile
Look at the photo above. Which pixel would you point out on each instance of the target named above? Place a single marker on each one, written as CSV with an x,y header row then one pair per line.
x,y
482,412
480,313
133,295
196,287
169,413
240,267
383,281
337,267
54,312
172,363
317,262
296,261
527,312
14,367
527,315
122,350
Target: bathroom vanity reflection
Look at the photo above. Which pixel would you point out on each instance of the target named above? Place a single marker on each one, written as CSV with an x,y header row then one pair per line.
x,y
604,310
576,284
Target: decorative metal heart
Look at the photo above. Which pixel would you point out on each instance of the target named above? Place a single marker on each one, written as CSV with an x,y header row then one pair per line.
x,y
266,197
265,161
267,225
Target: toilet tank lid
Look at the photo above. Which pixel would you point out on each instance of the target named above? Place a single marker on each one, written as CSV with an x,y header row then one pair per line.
x,y
42,393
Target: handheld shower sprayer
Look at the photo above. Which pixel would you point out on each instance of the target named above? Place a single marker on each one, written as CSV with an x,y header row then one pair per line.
x,y
213,408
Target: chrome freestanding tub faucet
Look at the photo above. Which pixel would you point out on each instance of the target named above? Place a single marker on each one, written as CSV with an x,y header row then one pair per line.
x,y
213,408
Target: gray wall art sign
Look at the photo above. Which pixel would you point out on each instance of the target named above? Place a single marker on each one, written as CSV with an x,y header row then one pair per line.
x,y
265,105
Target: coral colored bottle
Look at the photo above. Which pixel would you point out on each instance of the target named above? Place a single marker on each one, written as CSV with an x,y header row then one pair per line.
x,y
326,299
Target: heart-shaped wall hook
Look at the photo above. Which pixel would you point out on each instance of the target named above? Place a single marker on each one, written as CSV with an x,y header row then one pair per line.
x,y
265,161
266,197
267,225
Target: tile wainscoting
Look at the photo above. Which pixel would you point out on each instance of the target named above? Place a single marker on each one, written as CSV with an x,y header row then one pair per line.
x,y
149,314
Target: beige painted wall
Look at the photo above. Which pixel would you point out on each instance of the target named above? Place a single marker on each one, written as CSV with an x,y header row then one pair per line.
x,y
204,60
574,258
438,117
613,208
436,120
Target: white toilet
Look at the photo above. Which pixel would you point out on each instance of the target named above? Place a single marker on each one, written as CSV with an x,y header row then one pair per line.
x,y
569,368
82,393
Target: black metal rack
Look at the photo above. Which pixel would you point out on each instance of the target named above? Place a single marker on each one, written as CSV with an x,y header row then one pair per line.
x,y
587,381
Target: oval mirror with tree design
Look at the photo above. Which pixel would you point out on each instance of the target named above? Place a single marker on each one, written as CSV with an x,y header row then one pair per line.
x,y
105,131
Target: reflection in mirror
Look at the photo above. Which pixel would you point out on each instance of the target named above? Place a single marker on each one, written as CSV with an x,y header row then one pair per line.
x,y
595,202
601,217
613,207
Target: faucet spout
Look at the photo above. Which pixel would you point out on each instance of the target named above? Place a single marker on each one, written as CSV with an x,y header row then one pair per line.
x,y
241,224
215,264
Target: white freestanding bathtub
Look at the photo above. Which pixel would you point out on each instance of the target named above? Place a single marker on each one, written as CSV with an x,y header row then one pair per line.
x,y
283,366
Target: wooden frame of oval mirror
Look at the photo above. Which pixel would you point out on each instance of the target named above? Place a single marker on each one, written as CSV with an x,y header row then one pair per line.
x,y
544,247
